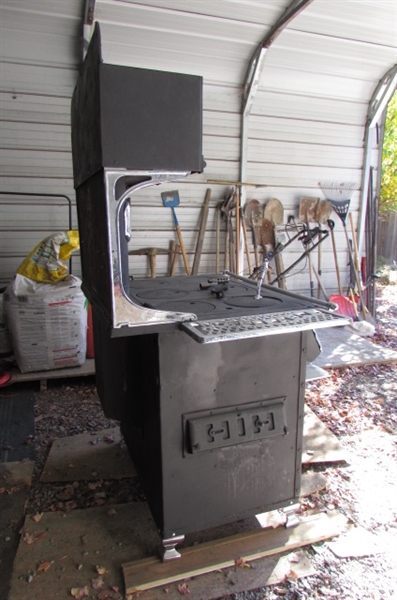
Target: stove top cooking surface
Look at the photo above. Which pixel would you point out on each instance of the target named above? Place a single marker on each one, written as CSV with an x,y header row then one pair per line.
x,y
228,307
204,296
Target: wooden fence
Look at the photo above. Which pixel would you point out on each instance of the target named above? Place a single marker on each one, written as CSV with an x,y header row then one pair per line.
x,y
387,237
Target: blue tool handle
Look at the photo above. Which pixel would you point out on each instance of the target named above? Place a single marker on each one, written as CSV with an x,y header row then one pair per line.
x,y
175,217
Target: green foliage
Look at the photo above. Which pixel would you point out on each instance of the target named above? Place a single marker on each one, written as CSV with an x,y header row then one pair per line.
x,y
388,192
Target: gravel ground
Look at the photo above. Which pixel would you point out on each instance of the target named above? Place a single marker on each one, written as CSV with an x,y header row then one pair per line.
x,y
359,405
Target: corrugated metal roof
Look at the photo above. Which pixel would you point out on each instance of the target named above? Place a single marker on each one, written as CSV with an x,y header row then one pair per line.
x,y
307,121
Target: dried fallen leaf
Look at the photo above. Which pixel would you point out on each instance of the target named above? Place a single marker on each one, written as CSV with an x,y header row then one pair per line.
x,y
43,567
95,485
292,575
280,591
37,517
97,583
79,593
100,570
183,588
241,563
112,512
386,428
30,539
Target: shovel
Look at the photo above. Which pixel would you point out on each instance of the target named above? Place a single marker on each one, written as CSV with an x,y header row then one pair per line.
x,y
253,218
171,199
266,241
308,209
274,212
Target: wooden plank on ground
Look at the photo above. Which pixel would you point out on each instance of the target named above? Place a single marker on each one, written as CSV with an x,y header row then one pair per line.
x,y
220,554
341,347
320,445
220,584
15,481
89,457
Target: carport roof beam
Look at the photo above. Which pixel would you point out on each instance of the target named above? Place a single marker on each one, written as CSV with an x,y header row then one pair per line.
x,y
255,66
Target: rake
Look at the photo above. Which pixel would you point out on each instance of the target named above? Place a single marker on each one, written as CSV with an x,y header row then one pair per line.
x,y
339,194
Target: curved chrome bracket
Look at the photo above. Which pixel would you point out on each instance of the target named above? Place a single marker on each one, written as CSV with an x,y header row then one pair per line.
x,y
125,312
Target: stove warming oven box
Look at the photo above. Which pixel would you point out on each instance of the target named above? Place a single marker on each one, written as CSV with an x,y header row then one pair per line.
x,y
208,386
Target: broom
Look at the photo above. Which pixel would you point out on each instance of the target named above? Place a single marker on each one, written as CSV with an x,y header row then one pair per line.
x,y
339,194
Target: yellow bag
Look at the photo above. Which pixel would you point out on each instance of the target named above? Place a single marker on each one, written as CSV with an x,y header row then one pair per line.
x,y
46,263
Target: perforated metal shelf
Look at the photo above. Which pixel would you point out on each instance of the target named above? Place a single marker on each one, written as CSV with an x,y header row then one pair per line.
x,y
234,328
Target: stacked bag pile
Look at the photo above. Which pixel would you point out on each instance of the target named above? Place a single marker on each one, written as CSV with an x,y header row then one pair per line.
x,y
45,308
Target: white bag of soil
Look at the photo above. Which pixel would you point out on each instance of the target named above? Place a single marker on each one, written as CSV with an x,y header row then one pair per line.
x,y
47,323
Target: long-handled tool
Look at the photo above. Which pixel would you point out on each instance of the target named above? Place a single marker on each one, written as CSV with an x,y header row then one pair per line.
x,y
200,239
174,253
247,251
323,212
274,212
171,199
339,194
317,236
267,243
237,213
253,217
226,212
345,305
218,235
307,239
367,315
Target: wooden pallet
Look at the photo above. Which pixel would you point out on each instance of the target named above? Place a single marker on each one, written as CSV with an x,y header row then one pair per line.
x,y
88,368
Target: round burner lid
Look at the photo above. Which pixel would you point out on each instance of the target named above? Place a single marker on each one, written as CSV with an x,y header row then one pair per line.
x,y
265,302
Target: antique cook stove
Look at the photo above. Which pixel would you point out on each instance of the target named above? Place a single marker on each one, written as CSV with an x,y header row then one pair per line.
x,y
207,373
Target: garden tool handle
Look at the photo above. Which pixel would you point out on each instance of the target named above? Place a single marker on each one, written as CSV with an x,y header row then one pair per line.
x,y
183,250
180,238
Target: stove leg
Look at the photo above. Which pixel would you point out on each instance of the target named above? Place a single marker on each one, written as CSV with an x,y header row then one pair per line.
x,y
292,519
170,544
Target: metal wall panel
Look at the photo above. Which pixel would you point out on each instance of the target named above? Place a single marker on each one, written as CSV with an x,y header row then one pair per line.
x,y
307,121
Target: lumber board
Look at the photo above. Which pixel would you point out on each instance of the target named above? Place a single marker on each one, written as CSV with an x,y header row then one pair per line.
x,y
88,457
220,554
320,445
341,347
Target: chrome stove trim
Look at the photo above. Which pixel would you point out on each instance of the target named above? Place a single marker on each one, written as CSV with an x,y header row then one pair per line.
x,y
125,312
209,331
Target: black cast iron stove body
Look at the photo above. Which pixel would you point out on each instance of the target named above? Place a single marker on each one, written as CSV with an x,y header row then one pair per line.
x,y
206,374
212,409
